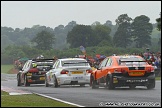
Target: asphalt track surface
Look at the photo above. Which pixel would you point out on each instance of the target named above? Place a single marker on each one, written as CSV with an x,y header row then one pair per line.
x,y
88,97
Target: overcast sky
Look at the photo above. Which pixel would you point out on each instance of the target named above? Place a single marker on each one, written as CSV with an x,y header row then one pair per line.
x,y
21,14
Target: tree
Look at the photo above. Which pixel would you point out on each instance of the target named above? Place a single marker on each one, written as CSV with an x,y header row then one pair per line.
x,y
158,20
44,40
108,23
122,37
5,42
81,35
102,35
141,31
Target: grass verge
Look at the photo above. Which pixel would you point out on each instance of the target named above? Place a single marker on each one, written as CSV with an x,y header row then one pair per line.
x,y
158,78
6,68
29,100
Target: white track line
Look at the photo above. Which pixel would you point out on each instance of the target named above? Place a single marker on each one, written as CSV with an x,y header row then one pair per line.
x,y
59,100
13,91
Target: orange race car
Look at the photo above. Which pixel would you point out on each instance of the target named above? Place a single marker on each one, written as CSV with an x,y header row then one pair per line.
x,y
119,71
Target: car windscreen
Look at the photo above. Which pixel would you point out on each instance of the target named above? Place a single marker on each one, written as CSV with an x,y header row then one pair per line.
x,y
74,63
44,65
130,61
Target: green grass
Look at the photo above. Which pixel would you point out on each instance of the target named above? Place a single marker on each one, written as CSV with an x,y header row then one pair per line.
x,y
6,68
29,100
4,93
158,78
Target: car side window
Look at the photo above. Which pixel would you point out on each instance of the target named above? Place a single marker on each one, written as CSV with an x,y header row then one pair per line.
x,y
57,65
103,63
28,65
109,62
25,65
54,65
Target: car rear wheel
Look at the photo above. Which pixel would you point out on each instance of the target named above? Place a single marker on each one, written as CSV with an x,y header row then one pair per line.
x,y
82,85
46,82
151,85
132,86
55,83
26,83
109,83
18,80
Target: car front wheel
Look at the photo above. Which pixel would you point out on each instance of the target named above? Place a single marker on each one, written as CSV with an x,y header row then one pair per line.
x,y
18,80
94,84
55,83
46,82
26,83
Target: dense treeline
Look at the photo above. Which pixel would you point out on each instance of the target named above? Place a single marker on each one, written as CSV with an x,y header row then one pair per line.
x,y
127,36
13,52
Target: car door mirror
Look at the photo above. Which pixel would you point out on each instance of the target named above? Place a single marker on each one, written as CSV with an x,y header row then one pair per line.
x,y
20,68
97,67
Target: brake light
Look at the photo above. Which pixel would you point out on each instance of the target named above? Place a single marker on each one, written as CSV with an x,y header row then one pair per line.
x,y
150,70
123,70
43,72
120,70
64,72
89,70
33,70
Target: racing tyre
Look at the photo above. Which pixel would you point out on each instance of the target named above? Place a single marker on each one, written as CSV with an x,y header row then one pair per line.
x,y
109,83
18,80
82,85
151,85
26,83
46,82
132,86
94,84
55,83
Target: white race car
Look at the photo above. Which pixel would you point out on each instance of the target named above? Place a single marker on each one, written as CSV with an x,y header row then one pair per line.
x,y
69,71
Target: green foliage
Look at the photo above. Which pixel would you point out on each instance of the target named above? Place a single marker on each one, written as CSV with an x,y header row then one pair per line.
x,y
5,41
158,20
86,36
123,18
4,93
9,55
81,35
122,37
102,35
141,31
155,33
6,68
23,37
97,39
44,40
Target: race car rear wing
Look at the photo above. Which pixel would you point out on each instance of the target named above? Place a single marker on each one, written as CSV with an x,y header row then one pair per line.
x,y
68,64
131,61
75,62
41,60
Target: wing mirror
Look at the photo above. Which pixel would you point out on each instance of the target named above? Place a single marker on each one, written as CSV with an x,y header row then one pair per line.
x,y
97,67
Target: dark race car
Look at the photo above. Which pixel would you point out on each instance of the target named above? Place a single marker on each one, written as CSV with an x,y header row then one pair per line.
x,y
33,72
